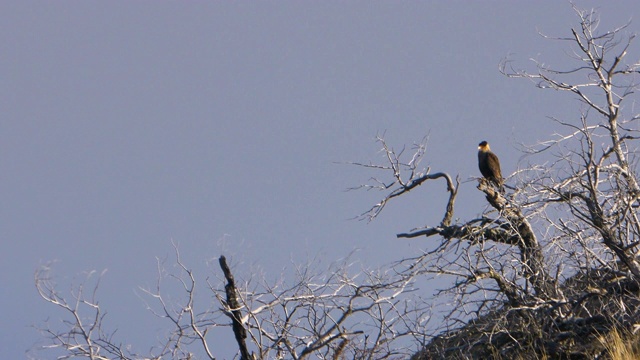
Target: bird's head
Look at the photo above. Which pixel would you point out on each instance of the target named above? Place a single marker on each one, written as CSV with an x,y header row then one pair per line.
x,y
484,146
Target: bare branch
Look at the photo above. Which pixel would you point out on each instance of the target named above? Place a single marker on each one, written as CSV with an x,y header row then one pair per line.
x,y
234,310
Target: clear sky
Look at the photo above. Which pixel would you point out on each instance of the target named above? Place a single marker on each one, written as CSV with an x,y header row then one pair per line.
x,y
220,125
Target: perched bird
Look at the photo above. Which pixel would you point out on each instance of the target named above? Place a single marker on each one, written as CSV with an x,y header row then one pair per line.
x,y
489,165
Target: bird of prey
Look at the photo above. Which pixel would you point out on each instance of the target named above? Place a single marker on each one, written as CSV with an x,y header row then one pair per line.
x,y
489,165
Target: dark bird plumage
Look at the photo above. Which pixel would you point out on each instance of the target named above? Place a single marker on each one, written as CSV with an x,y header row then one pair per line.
x,y
489,165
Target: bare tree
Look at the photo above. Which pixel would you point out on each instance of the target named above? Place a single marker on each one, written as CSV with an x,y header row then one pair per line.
x,y
335,314
601,188
566,235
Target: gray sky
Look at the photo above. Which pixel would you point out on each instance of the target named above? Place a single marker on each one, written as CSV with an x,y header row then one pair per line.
x,y
126,125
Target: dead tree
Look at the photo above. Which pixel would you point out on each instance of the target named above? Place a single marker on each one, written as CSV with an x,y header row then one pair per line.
x,y
583,206
332,314
512,227
601,188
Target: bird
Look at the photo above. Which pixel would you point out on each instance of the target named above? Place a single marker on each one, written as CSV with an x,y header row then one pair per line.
x,y
489,165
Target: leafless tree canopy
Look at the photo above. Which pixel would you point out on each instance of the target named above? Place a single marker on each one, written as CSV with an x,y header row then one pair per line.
x,y
337,313
552,264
